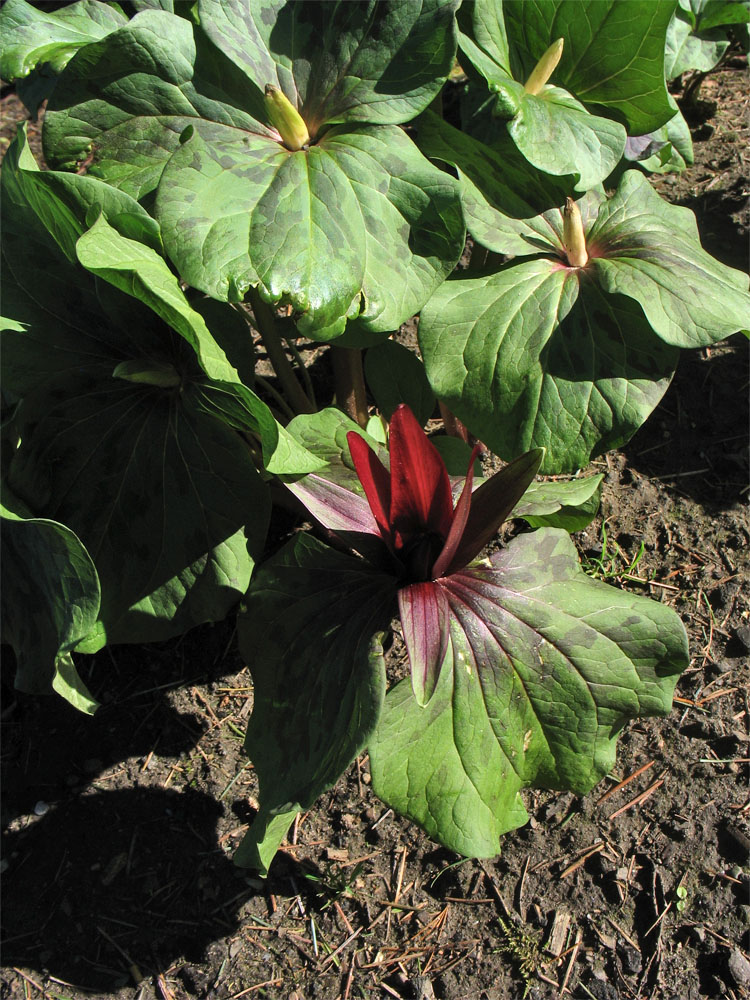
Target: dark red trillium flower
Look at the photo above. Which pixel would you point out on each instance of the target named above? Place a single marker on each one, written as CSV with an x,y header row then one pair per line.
x,y
427,538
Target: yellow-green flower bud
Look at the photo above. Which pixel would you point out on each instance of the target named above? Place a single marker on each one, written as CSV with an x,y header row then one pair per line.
x,y
145,372
285,118
544,68
573,237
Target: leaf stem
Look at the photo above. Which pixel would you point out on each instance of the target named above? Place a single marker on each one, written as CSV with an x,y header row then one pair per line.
x,y
349,379
266,327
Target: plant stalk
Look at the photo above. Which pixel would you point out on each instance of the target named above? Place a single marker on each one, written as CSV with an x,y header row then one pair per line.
x,y
349,379
545,67
280,363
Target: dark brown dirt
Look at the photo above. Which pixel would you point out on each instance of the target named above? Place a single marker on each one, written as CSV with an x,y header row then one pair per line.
x,y
119,830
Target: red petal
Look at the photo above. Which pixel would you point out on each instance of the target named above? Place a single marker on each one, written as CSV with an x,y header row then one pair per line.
x,y
460,517
425,618
375,479
491,504
421,498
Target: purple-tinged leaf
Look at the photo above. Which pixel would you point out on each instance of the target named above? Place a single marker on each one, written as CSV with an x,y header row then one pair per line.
x,y
425,616
543,667
491,504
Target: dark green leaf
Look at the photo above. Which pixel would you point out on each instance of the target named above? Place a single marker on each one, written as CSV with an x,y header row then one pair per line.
x,y
311,633
570,505
50,601
613,57
377,62
396,375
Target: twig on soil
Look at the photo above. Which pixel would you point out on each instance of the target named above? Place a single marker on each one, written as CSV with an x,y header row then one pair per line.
x,y
258,986
571,963
624,934
625,781
639,798
33,983
587,853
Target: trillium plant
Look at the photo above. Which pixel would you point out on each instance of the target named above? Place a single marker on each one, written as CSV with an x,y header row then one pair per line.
x,y
522,668
244,206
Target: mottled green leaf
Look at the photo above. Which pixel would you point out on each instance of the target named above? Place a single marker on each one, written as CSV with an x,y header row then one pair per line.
x,y
558,135
650,250
544,668
359,226
501,193
123,102
319,679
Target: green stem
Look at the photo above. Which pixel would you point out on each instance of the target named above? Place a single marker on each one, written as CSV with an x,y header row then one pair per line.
x,y
309,388
349,379
266,327
284,407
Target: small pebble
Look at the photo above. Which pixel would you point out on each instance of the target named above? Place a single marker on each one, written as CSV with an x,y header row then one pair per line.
x,y
739,968
743,634
41,808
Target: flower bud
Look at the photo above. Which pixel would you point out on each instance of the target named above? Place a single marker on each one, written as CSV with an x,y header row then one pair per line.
x,y
285,118
148,373
544,68
573,239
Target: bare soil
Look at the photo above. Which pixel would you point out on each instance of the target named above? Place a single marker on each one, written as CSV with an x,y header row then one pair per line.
x,y
119,830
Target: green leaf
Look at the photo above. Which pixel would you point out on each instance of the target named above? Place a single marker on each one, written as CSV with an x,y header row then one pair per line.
x,y
142,273
613,59
650,250
544,668
532,357
570,505
557,134
697,37
64,204
501,193
318,676
69,685
33,36
324,435
165,498
357,226
50,600
123,102
396,375
374,62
